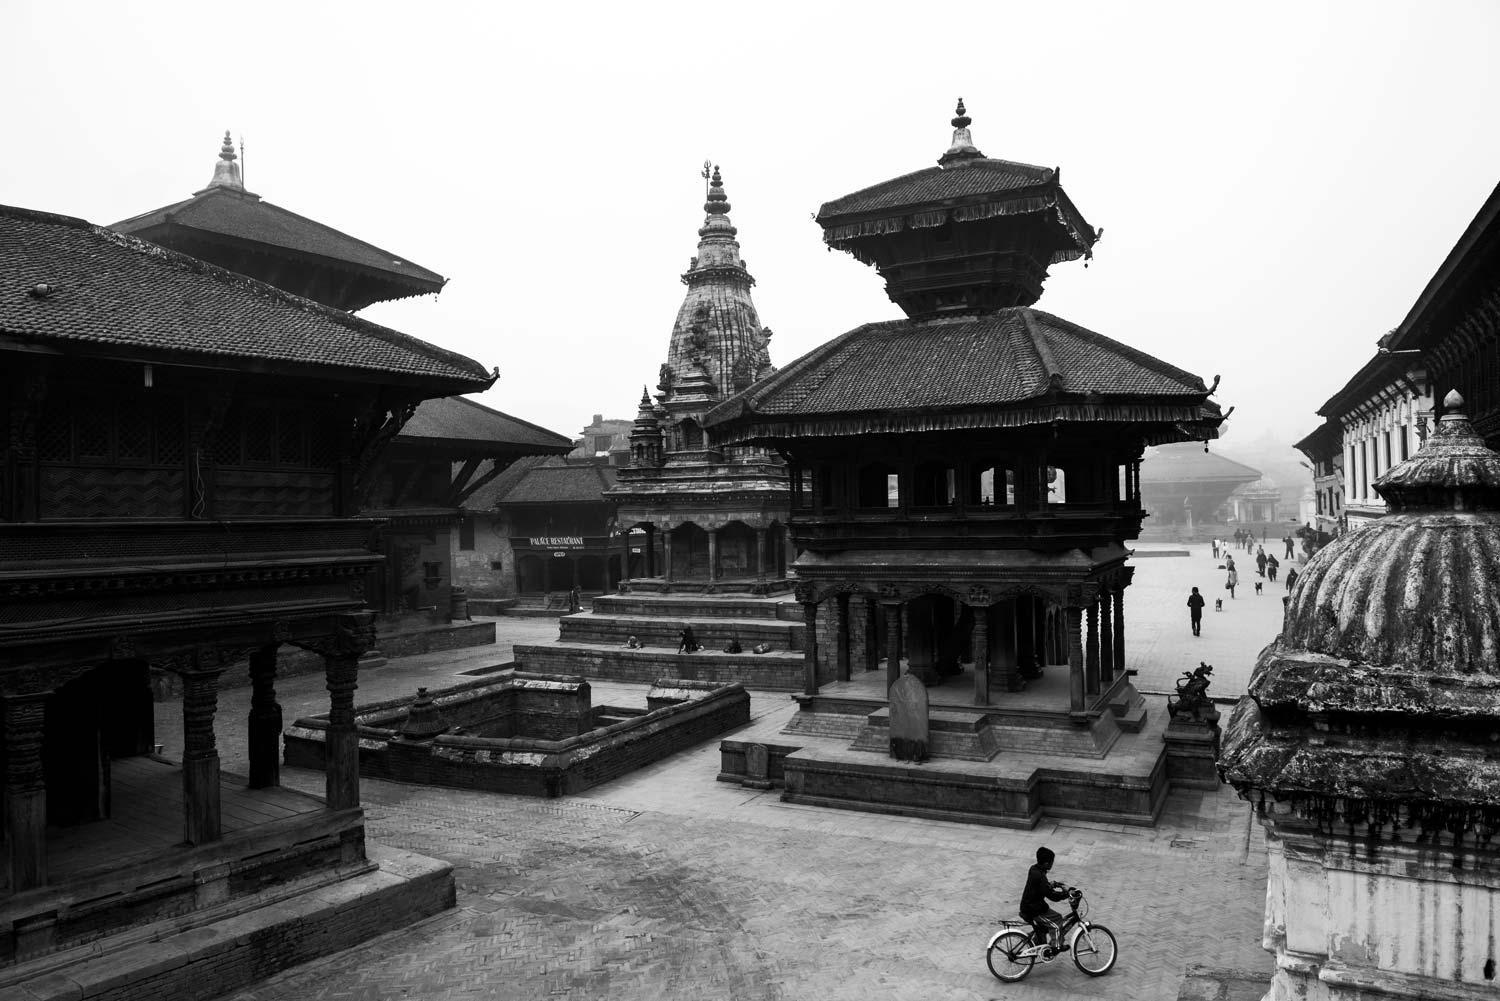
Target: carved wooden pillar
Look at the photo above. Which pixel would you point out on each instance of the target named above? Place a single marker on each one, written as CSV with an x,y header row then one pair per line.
x,y
893,641
810,640
760,554
842,626
1091,650
650,560
341,653
1074,615
1118,647
666,555
265,720
25,791
981,644
1106,643
713,554
200,756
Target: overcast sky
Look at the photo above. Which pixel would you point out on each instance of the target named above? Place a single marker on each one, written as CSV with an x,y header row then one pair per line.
x,y
1276,182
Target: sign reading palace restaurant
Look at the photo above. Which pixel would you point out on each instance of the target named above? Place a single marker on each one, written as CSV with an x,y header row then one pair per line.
x,y
557,541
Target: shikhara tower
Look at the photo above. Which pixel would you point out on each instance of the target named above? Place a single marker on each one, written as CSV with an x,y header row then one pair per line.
x,y
713,517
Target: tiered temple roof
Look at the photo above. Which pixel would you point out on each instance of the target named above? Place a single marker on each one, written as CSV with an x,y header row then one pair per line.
x,y
118,295
229,226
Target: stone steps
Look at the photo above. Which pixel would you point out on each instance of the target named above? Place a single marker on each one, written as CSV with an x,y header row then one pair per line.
x,y
651,630
698,606
779,670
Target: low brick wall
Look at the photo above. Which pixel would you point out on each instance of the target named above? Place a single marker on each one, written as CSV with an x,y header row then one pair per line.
x,y
712,634
780,672
883,785
537,766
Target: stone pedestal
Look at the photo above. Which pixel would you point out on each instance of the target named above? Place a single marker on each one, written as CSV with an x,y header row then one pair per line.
x,y
1192,747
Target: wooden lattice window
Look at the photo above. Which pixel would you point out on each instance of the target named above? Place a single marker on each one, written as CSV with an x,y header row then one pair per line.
x,y
260,436
131,431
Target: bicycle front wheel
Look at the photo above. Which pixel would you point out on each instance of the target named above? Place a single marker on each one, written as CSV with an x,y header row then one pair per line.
x,y
1094,950
1005,956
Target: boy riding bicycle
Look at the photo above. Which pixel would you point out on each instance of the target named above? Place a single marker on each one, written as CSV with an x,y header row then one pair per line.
x,y
1040,889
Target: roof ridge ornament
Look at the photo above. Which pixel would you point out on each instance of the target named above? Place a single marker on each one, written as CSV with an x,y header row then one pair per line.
x,y
716,207
962,150
226,171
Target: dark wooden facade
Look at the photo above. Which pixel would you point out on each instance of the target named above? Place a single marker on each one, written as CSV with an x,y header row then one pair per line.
x,y
185,452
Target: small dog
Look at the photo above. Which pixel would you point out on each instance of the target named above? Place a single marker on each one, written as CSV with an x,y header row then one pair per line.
x,y
1218,604
1257,587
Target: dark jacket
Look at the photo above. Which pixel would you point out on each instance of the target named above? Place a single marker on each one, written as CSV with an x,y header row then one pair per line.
x,y
1038,891
1195,603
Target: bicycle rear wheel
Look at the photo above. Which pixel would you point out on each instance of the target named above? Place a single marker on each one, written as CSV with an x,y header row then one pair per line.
x,y
1094,950
1005,956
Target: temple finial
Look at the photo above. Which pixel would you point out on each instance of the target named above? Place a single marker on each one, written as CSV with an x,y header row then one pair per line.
x,y
962,148
226,171
1454,402
718,202
961,118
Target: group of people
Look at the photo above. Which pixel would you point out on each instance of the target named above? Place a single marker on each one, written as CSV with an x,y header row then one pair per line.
x,y
1245,539
1266,565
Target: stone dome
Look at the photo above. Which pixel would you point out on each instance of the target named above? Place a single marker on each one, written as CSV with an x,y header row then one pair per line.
x,y
1384,683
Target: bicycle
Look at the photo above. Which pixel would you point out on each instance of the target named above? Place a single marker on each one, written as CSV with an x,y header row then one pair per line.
x,y
1011,955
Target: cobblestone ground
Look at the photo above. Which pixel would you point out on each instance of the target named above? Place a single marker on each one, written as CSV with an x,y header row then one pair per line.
x,y
668,884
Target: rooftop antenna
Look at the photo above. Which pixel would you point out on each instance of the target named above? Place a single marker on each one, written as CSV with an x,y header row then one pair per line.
x,y
707,173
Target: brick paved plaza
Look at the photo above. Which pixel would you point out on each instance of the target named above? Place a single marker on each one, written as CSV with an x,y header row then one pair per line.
x,y
669,884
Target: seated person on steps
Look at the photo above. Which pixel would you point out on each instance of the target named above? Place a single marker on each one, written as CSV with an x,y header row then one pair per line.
x,y
1040,889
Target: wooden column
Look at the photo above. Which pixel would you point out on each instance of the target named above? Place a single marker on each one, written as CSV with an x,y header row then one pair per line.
x,y
1106,643
341,768
666,555
1006,644
981,644
200,756
810,646
760,554
713,554
265,720
341,652
1075,659
650,550
872,634
894,641
1118,647
1091,650
25,791
842,632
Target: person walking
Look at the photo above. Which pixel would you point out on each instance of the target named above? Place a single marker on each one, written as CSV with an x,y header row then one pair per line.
x,y
1233,580
1195,605
1216,547
1291,578
1290,551
1260,562
1272,565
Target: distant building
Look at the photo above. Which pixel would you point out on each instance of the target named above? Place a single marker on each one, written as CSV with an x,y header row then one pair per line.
x,y
1176,479
1383,414
1324,450
604,439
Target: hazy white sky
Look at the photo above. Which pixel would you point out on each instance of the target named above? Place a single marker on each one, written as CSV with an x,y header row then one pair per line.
x,y
1276,182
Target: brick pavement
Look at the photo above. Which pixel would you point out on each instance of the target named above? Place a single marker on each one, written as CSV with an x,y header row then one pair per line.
x,y
668,884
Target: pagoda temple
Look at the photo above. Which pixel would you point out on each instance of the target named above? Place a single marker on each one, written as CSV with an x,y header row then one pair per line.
x,y
227,225
970,474
714,515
